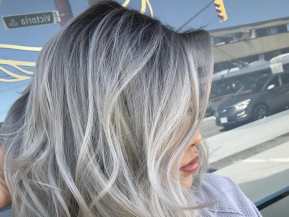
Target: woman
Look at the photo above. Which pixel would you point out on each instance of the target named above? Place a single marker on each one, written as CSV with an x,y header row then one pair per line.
x,y
109,124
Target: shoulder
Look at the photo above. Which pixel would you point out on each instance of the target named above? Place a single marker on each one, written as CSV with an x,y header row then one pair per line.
x,y
227,197
221,186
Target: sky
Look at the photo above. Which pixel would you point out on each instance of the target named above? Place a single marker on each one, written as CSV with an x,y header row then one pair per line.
x,y
170,12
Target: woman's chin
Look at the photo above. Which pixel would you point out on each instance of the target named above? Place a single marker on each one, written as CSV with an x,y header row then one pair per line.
x,y
187,181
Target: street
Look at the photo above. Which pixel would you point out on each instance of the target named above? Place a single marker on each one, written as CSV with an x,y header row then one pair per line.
x,y
209,128
245,141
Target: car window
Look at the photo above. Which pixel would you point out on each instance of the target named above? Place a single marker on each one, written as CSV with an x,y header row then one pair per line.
x,y
249,141
240,124
285,79
251,87
274,81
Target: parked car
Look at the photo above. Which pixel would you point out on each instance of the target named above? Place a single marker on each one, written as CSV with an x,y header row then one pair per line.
x,y
226,83
255,100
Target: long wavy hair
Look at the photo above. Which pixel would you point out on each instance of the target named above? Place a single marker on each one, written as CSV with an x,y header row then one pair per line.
x,y
114,102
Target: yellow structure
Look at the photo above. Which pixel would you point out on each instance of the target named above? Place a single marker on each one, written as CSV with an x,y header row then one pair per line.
x,y
17,64
220,8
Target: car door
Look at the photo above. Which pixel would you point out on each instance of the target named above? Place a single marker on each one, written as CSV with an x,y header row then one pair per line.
x,y
285,89
274,98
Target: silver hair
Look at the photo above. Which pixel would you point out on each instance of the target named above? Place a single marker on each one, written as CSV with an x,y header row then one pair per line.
x,y
105,119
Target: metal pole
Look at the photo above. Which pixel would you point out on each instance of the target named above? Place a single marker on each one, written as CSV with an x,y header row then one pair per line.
x,y
64,9
195,16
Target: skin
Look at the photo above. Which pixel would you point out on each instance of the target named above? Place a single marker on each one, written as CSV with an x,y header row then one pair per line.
x,y
5,199
190,154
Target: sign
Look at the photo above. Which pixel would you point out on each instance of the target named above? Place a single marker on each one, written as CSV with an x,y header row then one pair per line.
x,y
26,20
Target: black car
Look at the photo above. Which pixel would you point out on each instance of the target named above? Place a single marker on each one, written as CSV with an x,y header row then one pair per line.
x,y
255,100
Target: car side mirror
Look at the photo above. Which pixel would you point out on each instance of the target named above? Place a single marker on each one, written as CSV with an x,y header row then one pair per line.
x,y
270,87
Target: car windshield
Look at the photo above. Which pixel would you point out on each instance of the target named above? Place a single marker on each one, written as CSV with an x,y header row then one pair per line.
x,y
224,87
251,87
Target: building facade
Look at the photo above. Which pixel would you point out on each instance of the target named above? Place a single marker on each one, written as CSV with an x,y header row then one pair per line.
x,y
247,43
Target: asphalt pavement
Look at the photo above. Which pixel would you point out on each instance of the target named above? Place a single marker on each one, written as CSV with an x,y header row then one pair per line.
x,y
209,128
244,141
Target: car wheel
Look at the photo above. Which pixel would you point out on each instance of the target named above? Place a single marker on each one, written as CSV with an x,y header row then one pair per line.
x,y
230,126
260,112
226,127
